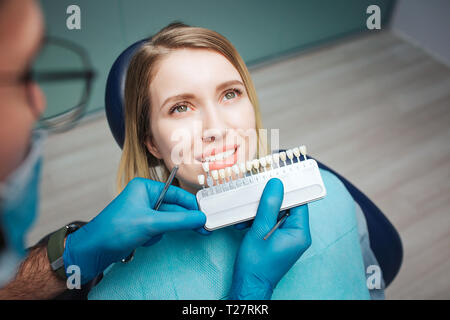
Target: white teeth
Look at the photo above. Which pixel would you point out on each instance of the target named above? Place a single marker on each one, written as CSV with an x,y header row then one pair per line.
x,y
220,156
283,156
215,174
296,152
235,169
269,159
201,179
205,166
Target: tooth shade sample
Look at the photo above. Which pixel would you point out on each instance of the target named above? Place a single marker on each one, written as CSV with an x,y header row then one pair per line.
x,y
269,159
303,150
296,152
290,154
242,167
201,179
222,174
248,165
235,169
276,158
283,156
205,166
215,174
256,164
228,171
263,162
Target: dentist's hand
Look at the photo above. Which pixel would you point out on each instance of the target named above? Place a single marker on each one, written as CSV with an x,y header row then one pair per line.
x,y
260,264
129,222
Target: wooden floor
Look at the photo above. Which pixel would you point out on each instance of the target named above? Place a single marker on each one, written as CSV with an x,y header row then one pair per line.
x,y
374,108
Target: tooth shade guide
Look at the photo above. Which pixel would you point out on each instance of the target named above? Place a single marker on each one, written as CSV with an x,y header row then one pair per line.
x,y
242,168
228,173
260,169
255,163
276,159
235,170
269,160
215,176
222,175
263,163
249,166
290,154
303,151
235,201
296,152
283,157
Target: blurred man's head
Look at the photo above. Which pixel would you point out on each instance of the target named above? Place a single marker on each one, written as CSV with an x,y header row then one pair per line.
x,y
21,32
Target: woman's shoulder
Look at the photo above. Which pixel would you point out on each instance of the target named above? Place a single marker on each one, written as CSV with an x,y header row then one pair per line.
x,y
335,215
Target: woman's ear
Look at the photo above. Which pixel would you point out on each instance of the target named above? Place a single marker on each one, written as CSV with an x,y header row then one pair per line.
x,y
151,147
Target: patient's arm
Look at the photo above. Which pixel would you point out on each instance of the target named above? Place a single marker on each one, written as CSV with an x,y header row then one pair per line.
x,y
35,278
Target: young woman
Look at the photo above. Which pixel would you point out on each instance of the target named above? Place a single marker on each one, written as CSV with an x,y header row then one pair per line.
x,y
190,99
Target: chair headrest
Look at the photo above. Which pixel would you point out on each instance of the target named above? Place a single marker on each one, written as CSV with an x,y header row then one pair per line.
x,y
115,92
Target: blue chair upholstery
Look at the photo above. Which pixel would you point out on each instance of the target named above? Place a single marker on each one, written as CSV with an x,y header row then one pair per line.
x,y
384,239
115,92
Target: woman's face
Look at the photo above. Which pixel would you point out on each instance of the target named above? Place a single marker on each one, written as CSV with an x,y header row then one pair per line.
x,y
200,111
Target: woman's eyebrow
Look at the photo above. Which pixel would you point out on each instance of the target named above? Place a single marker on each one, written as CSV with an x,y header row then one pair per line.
x,y
226,84
185,96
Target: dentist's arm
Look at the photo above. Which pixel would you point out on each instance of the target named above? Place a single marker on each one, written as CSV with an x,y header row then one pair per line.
x,y
34,279
260,264
126,223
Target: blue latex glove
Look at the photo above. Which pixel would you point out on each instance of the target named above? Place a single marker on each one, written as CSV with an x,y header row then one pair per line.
x,y
260,264
129,222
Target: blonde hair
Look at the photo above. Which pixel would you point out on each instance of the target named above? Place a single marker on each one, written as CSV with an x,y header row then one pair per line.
x,y
136,160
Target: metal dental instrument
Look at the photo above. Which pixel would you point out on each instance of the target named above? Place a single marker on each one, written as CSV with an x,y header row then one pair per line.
x,y
275,227
166,187
158,202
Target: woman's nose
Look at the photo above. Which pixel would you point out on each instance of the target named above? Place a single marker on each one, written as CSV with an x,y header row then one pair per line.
x,y
214,127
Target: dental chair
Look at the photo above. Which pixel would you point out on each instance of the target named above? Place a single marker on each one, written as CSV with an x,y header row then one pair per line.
x,y
384,239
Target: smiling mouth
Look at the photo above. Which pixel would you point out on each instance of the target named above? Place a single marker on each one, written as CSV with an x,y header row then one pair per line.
x,y
222,160
221,156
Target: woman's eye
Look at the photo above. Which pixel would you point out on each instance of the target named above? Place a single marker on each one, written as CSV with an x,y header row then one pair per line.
x,y
179,108
231,94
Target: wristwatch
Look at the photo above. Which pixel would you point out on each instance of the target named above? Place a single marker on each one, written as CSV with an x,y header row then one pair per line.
x,y
55,248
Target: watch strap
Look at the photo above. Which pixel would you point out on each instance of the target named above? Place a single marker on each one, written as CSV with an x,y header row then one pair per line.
x,y
55,251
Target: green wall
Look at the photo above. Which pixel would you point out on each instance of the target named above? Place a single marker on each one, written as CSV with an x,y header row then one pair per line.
x,y
259,29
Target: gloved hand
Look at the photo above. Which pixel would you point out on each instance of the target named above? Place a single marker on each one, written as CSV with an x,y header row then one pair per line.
x,y
260,264
129,222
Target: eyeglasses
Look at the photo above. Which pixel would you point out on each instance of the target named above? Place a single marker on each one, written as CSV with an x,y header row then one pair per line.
x,y
64,73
